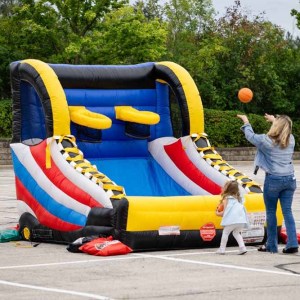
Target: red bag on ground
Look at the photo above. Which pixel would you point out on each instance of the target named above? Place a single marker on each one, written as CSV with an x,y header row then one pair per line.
x,y
105,247
283,236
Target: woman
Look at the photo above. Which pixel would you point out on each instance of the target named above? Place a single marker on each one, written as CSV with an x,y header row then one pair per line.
x,y
275,156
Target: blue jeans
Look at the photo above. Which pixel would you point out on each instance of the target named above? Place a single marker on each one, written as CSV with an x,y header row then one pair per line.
x,y
282,188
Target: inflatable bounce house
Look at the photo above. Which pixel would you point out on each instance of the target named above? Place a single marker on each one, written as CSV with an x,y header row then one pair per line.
x,y
94,153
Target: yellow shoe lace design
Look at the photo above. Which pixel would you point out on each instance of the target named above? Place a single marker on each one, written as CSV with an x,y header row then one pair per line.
x,y
75,158
214,159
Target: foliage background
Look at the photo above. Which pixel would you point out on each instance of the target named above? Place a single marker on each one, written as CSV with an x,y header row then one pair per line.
x,y
222,127
222,55
5,118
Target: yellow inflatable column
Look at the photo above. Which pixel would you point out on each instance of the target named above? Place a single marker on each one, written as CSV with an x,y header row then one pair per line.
x,y
56,95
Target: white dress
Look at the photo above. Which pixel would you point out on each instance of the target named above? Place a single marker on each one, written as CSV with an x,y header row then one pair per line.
x,y
235,213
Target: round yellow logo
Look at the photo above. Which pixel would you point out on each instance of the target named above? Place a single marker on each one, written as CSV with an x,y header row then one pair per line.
x,y
26,233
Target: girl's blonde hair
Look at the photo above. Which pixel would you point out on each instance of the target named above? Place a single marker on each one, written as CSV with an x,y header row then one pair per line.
x,y
281,130
231,188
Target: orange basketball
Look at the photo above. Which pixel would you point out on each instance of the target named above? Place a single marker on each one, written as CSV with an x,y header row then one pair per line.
x,y
245,95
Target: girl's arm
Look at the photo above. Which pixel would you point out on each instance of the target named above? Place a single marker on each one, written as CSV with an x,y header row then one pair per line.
x,y
221,213
225,202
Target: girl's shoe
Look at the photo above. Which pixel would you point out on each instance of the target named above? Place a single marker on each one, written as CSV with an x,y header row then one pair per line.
x,y
242,251
220,251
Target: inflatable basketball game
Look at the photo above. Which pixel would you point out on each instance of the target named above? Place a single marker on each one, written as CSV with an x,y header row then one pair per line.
x,y
94,153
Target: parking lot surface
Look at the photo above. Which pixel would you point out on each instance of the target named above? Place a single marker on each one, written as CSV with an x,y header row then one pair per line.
x,y
49,271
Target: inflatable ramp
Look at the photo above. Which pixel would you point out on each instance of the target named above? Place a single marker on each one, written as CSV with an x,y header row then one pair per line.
x,y
94,153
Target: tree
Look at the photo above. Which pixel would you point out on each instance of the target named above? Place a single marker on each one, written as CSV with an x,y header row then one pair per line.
x,y
188,20
295,13
245,52
152,9
127,37
58,30
78,32
6,7
6,53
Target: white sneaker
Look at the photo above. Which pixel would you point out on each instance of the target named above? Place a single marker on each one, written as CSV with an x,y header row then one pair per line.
x,y
220,251
242,251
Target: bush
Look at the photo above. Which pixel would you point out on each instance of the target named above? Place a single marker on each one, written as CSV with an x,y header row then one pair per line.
x,y
296,132
223,128
5,118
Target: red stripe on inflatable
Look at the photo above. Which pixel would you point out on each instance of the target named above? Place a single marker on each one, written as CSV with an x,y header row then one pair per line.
x,y
177,154
44,217
59,179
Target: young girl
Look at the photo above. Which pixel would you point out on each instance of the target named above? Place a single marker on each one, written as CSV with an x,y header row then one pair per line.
x,y
234,216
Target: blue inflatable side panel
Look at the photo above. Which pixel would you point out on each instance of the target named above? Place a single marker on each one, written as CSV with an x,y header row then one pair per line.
x,y
33,120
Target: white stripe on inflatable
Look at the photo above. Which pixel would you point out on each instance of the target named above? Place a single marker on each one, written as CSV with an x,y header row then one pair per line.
x,y
210,172
77,178
25,157
22,207
156,148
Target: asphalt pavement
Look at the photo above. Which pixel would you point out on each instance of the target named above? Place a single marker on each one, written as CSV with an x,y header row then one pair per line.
x,y
48,271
